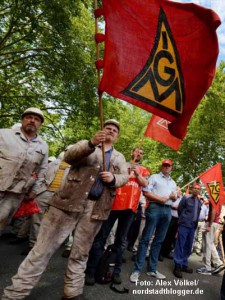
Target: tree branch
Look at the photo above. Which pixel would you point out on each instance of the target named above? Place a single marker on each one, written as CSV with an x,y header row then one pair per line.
x,y
25,50
21,59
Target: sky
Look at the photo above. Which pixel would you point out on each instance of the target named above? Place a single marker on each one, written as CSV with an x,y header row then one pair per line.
x,y
219,7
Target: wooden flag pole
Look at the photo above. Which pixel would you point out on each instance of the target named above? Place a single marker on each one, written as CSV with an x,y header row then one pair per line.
x,y
99,93
96,44
189,183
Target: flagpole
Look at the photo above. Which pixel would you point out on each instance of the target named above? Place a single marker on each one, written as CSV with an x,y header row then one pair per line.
x,y
141,142
189,183
139,147
99,92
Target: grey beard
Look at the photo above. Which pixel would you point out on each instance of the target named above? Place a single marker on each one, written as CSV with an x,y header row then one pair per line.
x,y
29,129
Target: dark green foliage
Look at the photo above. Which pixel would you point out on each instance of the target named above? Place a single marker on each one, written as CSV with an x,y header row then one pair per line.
x,y
47,55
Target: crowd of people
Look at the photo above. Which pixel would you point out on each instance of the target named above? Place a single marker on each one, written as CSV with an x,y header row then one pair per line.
x,y
88,194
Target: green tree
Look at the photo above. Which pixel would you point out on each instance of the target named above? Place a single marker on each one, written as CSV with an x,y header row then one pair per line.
x,y
46,59
47,55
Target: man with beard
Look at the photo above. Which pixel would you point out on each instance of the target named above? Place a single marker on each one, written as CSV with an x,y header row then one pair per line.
x,y
80,205
124,208
23,163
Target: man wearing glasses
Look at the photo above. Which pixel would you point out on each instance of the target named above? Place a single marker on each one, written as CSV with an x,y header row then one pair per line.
x,y
160,193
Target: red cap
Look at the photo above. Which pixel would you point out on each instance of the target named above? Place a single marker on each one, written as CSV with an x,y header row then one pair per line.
x,y
197,185
167,162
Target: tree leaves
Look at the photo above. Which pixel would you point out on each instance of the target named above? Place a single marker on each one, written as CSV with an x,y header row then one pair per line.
x,y
47,55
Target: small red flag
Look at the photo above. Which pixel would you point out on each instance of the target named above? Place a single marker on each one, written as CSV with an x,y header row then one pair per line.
x,y
159,55
158,130
213,182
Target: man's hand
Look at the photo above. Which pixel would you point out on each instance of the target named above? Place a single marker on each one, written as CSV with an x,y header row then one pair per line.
x,y
134,168
163,199
106,176
98,138
173,196
207,227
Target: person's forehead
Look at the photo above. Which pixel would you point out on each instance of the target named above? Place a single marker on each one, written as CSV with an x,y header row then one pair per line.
x,y
111,126
140,151
32,115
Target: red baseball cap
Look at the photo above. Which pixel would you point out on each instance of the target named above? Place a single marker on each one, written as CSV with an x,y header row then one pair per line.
x,y
197,185
167,162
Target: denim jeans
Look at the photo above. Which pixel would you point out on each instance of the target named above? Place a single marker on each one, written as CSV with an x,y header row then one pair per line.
x,y
183,246
125,218
158,217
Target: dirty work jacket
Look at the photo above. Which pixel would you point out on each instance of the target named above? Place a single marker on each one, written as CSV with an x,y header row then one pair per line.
x,y
19,160
85,164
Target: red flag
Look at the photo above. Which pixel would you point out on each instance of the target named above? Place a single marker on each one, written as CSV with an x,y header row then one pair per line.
x,y
222,198
213,182
159,55
27,208
158,130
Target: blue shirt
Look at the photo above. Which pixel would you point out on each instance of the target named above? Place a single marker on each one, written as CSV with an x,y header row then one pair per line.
x,y
204,212
161,185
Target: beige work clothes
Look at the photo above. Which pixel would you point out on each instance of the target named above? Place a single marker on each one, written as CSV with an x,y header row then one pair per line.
x,y
71,210
85,165
43,199
55,227
20,159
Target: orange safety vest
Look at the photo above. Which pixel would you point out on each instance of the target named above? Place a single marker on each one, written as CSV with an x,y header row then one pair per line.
x,y
127,196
